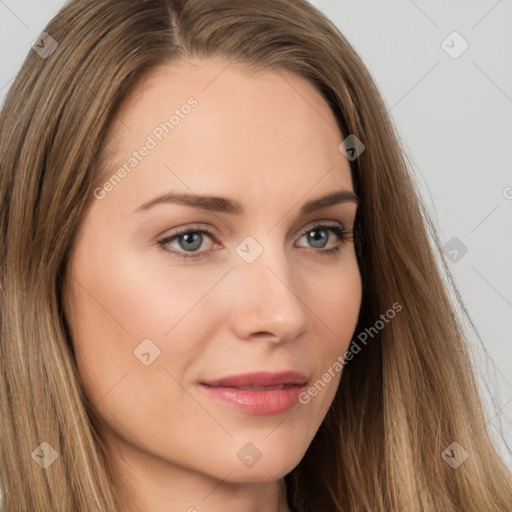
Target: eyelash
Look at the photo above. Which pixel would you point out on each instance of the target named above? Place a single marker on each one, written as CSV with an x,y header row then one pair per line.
x,y
344,235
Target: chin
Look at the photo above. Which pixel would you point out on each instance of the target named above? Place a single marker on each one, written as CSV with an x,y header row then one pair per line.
x,y
267,460
245,461
269,472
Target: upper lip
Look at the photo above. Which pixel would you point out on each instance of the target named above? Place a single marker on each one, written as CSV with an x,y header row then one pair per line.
x,y
260,379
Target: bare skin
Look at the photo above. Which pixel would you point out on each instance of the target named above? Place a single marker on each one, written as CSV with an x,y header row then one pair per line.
x,y
269,141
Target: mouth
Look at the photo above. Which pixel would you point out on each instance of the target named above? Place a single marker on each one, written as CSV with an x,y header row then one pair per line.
x,y
258,393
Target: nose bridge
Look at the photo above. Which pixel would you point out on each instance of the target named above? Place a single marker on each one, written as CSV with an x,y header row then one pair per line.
x,y
267,300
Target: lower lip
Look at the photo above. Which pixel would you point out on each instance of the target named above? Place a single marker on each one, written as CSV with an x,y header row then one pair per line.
x,y
257,401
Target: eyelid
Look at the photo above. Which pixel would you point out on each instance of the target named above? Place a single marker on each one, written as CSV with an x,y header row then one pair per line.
x,y
188,228
322,223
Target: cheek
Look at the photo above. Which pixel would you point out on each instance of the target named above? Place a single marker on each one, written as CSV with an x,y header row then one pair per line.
x,y
134,320
336,308
336,302
147,299
134,338
340,302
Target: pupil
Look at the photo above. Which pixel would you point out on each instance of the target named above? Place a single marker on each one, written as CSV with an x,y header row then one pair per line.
x,y
318,235
191,241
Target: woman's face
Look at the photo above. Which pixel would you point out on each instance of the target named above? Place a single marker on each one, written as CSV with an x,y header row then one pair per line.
x,y
205,293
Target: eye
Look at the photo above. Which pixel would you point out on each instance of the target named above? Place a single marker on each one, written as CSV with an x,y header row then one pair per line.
x,y
186,242
318,237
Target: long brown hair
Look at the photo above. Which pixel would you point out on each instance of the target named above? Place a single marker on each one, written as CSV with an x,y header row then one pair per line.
x,y
403,399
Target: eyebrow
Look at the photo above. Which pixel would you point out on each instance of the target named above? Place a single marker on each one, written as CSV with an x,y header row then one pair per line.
x,y
234,207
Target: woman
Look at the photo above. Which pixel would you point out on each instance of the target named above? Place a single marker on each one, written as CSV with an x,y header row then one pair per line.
x,y
218,290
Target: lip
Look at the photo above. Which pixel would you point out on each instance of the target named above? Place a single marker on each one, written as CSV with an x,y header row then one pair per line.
x,y
246,392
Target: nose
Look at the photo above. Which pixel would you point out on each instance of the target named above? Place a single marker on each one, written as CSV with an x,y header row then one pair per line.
x,y
267,299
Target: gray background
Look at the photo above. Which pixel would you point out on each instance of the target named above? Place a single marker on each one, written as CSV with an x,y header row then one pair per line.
x,y
454,117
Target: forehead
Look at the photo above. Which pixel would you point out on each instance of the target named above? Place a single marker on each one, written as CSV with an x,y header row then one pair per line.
x,y
215,126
